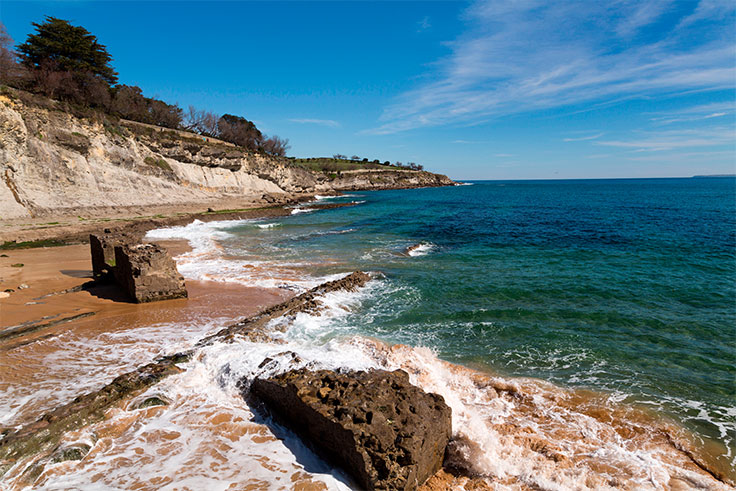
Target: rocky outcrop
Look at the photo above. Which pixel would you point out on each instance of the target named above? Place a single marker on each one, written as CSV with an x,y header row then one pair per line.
x,y
387,179
387,433
147,273
55,163
257,327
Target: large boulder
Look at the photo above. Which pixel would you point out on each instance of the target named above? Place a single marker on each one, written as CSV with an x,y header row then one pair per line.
x,y
387,433
147,273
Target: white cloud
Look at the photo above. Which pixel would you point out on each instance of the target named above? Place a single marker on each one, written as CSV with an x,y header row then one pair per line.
x,y
671,140
583,138
322,122
534,54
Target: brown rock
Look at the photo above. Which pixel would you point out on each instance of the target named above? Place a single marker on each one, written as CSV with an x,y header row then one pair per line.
x,y
387,433
102,249
147,273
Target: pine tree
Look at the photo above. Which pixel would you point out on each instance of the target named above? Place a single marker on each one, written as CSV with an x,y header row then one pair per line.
x,y
67,48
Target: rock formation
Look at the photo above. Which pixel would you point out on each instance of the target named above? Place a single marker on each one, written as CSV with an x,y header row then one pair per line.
x,y
102,250
387,433
147,273
56,163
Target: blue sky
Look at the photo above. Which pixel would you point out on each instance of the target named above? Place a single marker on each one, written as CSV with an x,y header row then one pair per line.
x,y
477,90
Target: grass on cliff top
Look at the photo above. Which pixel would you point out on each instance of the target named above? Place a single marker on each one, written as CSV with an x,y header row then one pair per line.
x,y
326,164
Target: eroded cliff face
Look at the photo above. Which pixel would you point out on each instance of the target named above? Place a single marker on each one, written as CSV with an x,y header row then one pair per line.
x,y
52,162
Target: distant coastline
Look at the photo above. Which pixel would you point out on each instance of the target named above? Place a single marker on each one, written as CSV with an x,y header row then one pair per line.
x,y
713,175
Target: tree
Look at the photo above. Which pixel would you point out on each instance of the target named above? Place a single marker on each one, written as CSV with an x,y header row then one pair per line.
x,y
66,48
354,157
276,146
201,121
128,102
240,131
339,156
11,72
163,114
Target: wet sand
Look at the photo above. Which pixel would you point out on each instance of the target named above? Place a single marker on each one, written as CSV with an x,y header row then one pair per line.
x,y
48,272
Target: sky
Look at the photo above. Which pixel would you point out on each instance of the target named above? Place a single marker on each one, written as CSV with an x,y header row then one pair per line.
x,y
490,89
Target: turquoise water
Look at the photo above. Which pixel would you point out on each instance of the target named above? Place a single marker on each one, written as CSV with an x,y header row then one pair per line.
x,y
621,286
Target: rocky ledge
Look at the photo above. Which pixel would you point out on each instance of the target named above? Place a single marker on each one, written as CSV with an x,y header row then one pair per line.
x,y
385,432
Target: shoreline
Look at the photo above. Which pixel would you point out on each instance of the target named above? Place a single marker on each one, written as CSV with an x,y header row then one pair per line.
x,y
223,299
74,227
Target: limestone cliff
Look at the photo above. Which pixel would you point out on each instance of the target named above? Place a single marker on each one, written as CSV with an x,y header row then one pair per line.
x,y
53,162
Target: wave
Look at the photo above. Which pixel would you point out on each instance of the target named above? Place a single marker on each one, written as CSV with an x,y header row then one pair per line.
x,y
420,249
318,197
513,433
209,261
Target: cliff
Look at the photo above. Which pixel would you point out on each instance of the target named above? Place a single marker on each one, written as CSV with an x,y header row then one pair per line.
x,y
53,162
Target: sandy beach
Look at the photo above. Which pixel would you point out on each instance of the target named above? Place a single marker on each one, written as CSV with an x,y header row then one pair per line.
x,y
58,301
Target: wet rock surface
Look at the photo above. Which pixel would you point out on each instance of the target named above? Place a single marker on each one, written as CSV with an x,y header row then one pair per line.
x,y
387,433
147,273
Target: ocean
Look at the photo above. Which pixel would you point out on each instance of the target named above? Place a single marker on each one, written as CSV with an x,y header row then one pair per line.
x,y
583,332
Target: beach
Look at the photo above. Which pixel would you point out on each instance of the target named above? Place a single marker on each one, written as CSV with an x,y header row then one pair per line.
x,y
509,429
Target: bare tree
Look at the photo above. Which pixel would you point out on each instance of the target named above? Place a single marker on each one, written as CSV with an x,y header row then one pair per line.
x,y
276,146
11,72
201,121
52,82
208,124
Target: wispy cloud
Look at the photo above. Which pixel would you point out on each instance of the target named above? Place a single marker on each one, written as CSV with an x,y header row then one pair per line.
x,y
671,140
698,157
538,54
322,122
583,138
696,113
424,24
